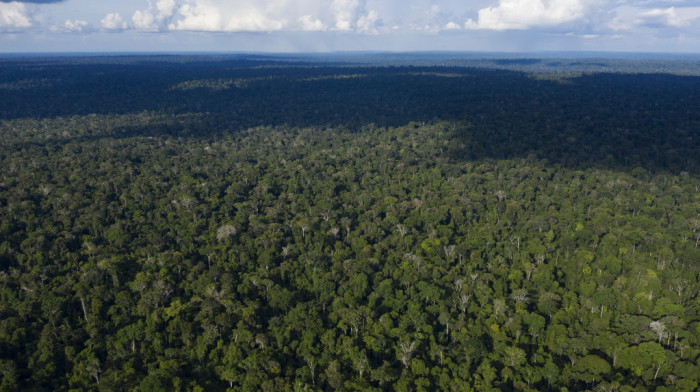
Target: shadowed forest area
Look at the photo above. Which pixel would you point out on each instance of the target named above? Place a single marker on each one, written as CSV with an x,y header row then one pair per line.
x,y
577,120
310,223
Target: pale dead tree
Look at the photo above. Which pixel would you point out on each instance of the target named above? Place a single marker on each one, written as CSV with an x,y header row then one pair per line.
x,y
213,293
608,387
660,329
499,307
345,222
162,290
520,296
82,304
515,240
401,229
417,319
671,378
224,232
500,195
260,342
658,367
459,283
682,347
311,364
417,261
406,352
285,251
529,269
449,251
334,231
417,203
660,264
463,301
511,253
90,248
187,202
440,354
539,259
93,369
360,364
355,320
694,225
474,276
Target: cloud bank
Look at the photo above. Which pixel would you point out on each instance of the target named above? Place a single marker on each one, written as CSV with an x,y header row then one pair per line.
x,y
14,16
345,24
669,17
524,14
72,26
255,16
113,21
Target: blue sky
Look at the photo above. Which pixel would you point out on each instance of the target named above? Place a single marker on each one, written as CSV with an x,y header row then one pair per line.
x,y
340,25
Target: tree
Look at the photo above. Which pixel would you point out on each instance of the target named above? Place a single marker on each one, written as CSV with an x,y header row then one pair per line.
x,y
648,356
591,368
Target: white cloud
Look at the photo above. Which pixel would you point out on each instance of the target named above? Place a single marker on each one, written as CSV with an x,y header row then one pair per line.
x,y
629,18
72,26
668,17
257,16
308,23
14,16
618,24
367,23
524,14
113,21
230,16
345,13
452,26
352,15
155,17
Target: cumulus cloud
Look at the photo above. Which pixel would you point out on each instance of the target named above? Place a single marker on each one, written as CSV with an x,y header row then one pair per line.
x,y
309,23
434,18
14,16
257,16
524,14
155,17
346,12
72,26
367,23
668,17
230,16
630,18
113,21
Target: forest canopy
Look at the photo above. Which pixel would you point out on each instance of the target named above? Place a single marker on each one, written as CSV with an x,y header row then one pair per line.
x,y
206,223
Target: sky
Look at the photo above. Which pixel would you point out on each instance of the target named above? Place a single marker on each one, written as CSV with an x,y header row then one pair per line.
x,y
349,25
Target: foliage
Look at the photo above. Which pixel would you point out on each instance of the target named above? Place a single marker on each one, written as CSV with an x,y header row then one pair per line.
x,y
193,250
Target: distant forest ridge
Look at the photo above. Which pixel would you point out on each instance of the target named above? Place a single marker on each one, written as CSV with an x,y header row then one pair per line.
x,y
626,114
539,62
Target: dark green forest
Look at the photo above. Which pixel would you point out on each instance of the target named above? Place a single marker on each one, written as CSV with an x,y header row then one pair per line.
x,y
251,223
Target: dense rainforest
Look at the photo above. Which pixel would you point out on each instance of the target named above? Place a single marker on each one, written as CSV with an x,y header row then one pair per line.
x,y
248,223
